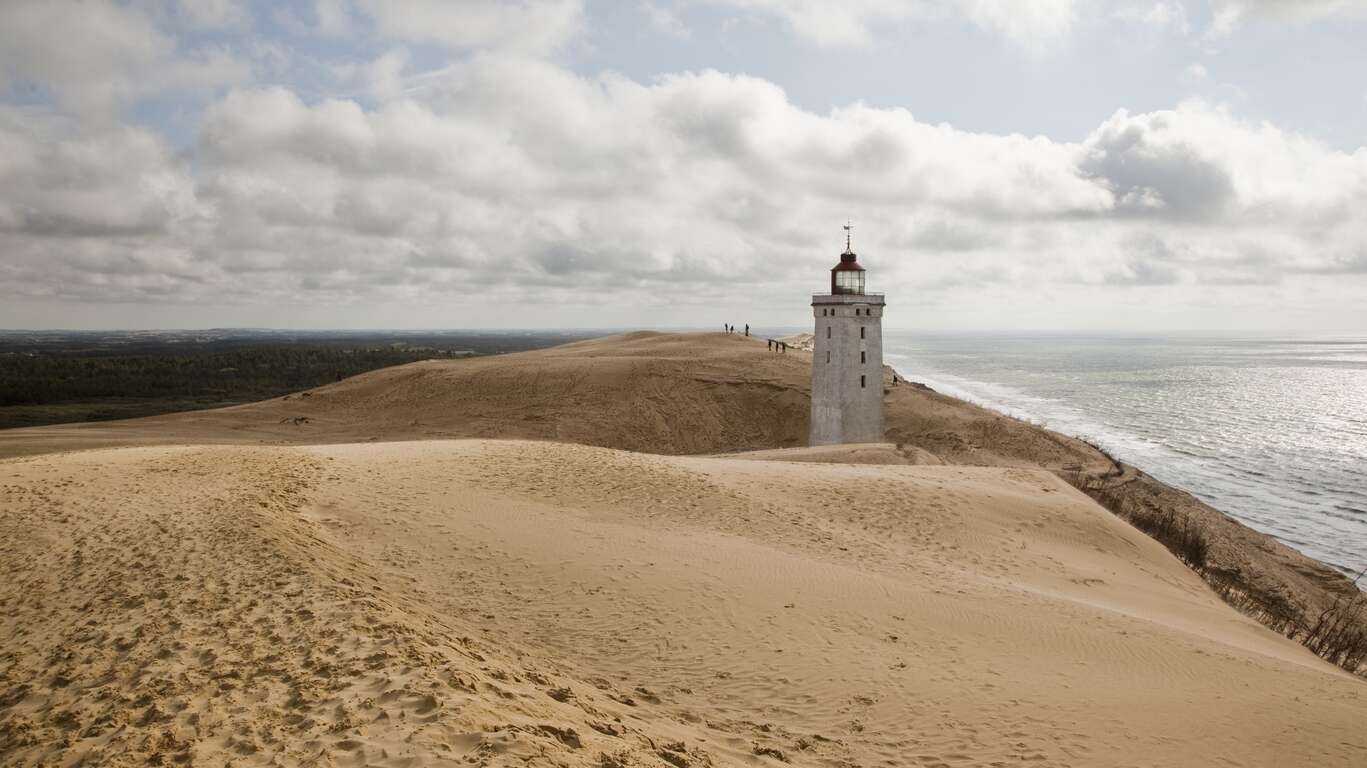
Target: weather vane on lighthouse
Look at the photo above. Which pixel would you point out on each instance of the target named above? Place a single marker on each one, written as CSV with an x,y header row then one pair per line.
x,y
848,229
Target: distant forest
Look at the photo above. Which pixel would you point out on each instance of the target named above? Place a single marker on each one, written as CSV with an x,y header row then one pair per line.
x,y
55,378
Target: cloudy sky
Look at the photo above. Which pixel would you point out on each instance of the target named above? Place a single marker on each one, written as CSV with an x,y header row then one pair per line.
x,y
1008,164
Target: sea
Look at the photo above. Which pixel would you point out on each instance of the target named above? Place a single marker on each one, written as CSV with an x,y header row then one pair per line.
x,y
1270,431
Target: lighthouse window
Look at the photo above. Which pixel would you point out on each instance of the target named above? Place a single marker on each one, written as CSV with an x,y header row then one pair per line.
x,y
861,357
861,332
828,355
828,331
861,382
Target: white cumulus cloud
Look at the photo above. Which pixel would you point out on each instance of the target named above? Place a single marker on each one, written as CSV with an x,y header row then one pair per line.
x,y
509,178
536,184
1031,23
96,56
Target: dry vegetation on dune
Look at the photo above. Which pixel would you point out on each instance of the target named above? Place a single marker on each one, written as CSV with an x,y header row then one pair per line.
x,y
943,599
1301,599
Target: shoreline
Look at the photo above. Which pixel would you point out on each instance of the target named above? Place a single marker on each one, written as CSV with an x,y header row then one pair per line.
x,y
1292,593
1182,471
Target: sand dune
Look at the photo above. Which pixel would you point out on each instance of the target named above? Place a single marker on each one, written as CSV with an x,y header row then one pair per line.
x,y
645,391
287,583
701,393
495,602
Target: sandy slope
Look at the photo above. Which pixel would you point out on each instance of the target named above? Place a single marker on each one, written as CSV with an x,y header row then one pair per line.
x,y
351,601
645,391
677,394
531,603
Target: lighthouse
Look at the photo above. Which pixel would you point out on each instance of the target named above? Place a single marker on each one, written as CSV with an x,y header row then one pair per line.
x,y
847,358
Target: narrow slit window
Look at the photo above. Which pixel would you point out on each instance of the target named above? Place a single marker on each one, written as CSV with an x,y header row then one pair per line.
x,y
861,381
862,358
828,331
861,332
828,355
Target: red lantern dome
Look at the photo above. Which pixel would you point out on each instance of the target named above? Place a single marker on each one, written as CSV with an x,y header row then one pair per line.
x,y
847,277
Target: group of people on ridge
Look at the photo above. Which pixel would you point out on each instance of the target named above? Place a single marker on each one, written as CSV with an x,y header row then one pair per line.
x,y
774,345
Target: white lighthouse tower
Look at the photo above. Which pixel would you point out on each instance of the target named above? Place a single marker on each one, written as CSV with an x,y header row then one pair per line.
x,y
847,359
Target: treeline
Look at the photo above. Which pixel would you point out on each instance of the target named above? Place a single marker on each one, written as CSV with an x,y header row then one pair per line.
x,y
53,377
239,375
